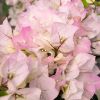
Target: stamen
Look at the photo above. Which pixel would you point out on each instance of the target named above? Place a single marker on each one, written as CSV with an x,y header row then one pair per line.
x,y
65,88
10,76
18,96
43,50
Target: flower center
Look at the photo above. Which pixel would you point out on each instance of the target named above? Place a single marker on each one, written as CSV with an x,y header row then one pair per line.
x,y
10,76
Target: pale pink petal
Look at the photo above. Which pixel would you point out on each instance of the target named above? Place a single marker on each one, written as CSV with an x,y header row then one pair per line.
x,y
16,68
24,40
47,86
5,28
75,90
84,46
30,93
5,97
91,83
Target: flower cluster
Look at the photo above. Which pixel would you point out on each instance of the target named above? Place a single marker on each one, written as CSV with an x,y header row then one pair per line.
x,y
48,53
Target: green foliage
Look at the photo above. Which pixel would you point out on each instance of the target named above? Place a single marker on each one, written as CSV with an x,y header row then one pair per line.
x,y
3,91
97,3
5,9
85,3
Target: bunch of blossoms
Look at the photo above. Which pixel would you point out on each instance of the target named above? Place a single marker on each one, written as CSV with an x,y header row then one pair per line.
x,y
48,55
16,7
19,6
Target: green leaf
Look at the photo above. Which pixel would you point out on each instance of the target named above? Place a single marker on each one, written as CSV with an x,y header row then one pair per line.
x,y
3,93
5,9
85,3
3,88
97,3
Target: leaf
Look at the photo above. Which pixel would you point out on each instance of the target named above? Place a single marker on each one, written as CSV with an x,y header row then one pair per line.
x,y
85,3
3,93
5,9
97,3
3,88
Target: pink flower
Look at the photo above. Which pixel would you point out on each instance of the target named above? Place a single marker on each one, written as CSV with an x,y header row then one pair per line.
x,y
36,68
92,24
49,51
24,94
74,90
25,39
58,77
81,63
83,46
91,83
72,9
13,71
47,86
6,45
37,20
62,34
